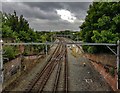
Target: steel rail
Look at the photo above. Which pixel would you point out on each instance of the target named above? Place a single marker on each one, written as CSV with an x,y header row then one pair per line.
x,y
48,70
66,71
49,43
48,74
40,74
58,71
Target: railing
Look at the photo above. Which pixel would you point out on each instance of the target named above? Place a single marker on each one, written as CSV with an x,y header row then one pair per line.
x,y
79,43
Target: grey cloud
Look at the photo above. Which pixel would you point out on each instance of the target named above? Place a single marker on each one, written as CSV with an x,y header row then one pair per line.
x,y
54,25
47,6
48,0
28,11
42,15
78,9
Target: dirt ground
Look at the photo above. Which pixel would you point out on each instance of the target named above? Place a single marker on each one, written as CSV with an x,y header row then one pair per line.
x,y
84,77
105,59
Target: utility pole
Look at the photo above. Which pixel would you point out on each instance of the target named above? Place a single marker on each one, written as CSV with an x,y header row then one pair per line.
x,y
118,64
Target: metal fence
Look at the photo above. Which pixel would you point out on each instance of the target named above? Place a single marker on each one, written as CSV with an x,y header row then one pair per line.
x,y
108,45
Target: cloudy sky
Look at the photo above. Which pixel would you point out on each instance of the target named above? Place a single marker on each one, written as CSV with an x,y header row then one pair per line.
x,y
50,15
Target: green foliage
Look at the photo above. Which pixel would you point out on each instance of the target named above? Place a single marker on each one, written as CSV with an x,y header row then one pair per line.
x,y
103,21
104,36
6,31
44,38
24,36
17,28
101,24
10,52
92,49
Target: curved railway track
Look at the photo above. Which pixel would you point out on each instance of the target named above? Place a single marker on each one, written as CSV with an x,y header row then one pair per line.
x,y
58,56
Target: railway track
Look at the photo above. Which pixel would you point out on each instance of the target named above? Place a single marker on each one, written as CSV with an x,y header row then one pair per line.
x,y
39,82
66,71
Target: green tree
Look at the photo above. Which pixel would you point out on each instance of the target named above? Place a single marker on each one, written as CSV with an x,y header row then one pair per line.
x,y
101,24
10,52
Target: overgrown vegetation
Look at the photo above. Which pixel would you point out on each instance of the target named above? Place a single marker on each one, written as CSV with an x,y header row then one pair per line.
x,y
102,25
9,52
17,29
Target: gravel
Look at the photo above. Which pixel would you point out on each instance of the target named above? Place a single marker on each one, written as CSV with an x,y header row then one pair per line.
x,y
84,78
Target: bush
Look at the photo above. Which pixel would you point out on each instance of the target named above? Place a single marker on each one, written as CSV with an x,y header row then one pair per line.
x,y
9,52
85,48
92,49
26,50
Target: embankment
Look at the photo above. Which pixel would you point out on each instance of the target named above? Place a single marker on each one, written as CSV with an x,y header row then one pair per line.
x,y
105,64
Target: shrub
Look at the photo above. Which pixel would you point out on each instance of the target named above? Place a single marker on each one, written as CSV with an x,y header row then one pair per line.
x,y
9,52
92,49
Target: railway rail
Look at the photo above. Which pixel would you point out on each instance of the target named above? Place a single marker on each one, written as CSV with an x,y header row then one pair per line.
x,y
39,82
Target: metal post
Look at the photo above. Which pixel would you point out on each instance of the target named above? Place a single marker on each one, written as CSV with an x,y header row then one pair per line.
x,y
1,60
51,36
51,39
118,65
46,48
77,37
21,63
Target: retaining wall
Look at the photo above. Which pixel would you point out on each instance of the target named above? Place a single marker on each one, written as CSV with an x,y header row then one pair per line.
x,y
104,59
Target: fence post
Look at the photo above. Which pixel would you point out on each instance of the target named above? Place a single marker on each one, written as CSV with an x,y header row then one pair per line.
x,y
1,60
46,48
118,65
